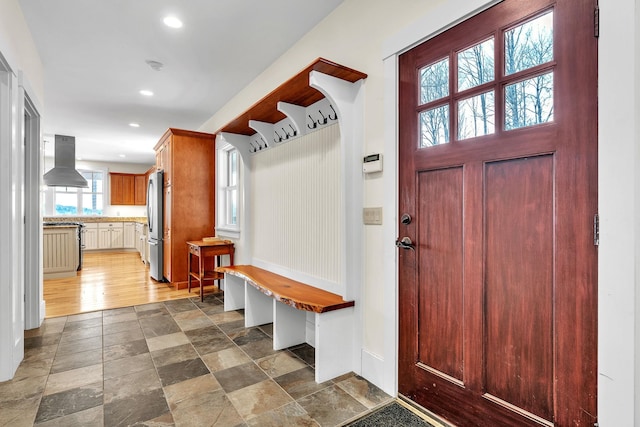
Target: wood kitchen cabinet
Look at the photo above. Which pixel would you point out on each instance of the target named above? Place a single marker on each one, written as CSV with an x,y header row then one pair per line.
x,y
140,190
128,189
188,161
122,188
163,159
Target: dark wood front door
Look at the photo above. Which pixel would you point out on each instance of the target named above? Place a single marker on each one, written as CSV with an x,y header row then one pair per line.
x,y
498,151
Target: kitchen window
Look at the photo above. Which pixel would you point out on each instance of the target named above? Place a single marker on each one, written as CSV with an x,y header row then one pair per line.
x,y
228,190
73,201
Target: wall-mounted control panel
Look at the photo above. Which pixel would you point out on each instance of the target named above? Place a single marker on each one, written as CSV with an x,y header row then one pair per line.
x,y
372,163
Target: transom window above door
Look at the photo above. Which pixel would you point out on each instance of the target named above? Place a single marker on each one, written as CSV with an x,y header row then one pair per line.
x,y
500,83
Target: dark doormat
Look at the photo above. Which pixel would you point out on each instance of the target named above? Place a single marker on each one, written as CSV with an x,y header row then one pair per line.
x,y
392,415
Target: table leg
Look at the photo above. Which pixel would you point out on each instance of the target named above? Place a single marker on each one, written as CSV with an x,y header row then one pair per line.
x,y
200,273
189,273
216,263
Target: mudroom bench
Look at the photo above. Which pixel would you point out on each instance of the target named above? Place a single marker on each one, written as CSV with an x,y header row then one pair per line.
x,y
267,297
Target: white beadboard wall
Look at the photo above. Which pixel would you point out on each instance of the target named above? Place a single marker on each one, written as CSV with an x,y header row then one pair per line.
x,y
296,202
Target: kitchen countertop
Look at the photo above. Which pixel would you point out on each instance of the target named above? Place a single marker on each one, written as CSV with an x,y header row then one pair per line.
x,y
86,219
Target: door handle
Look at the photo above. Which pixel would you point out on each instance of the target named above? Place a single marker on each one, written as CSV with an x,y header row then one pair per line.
x,y
405,243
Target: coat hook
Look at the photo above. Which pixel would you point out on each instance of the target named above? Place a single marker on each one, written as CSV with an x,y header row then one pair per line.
x,y
265,143
315,125
324,119
279,137
286,134
334,113
291,135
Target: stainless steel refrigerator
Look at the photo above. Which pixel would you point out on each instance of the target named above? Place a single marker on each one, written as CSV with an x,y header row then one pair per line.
x,y
155,207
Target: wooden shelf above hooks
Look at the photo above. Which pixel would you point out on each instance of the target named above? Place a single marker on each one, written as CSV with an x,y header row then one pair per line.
x,y
294,91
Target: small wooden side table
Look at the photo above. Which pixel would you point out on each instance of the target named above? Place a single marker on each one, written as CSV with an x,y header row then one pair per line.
x,y
203,250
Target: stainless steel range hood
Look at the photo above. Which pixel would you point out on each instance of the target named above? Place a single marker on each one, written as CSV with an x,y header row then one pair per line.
x,y
64,173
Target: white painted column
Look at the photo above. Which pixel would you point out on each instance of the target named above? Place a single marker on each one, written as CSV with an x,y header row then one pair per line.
x,y
348,99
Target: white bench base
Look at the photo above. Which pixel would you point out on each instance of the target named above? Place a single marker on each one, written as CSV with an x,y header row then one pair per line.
x,y
333,330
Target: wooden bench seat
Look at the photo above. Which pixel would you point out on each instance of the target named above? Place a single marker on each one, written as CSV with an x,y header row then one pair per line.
x,y
287,291
300,313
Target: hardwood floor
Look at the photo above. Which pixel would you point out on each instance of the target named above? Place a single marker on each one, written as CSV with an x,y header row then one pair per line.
x,y
107,280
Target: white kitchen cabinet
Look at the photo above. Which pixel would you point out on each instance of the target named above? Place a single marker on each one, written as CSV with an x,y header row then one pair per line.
x,y
90,236
141,241
59,252
110,235
129,235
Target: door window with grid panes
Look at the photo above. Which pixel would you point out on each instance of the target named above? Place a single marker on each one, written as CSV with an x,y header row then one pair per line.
x,y
500,83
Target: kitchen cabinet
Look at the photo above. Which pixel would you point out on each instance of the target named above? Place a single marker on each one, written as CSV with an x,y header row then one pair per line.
x,y
90,236
128,235
110,235
59,252
141,240
163,159
188,161
128,189
122,188
140,190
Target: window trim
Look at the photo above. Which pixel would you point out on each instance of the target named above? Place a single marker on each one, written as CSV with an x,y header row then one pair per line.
x,y
50,196
223,227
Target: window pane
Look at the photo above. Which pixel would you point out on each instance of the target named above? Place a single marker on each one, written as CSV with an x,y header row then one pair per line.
x,y
475,65
92,204
529,102
233,168
476,116
529,44
434,126
94,179
232,207
66,203
434,81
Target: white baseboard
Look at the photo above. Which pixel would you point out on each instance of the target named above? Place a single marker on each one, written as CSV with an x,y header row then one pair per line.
x,y
43,310
375,371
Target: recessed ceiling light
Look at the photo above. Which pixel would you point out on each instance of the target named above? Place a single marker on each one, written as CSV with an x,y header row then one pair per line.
x,y
172,21
155,65
146,92
134,125
121,155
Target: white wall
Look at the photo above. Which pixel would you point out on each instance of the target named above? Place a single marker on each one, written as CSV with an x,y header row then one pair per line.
x,y
18,48
296,199
359,34
619,207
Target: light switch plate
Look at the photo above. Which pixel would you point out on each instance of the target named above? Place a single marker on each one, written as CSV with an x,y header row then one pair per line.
x,y
372,216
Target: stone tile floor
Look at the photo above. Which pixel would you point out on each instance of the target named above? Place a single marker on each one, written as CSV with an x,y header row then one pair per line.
x,y
177,363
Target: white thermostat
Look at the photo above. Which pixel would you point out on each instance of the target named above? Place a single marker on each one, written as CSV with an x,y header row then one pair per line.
x,y
372,163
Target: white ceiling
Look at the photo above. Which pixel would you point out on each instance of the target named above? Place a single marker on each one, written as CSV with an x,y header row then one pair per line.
x,y
94,52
